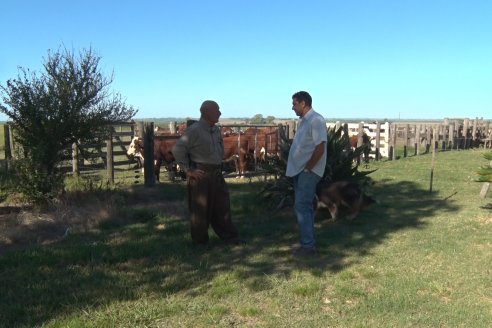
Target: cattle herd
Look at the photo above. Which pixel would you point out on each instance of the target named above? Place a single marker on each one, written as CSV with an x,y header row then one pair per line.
x,y
244,150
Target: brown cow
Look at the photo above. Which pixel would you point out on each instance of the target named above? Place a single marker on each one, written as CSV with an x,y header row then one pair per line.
x,y
366,142
233,151
263,142
162,154
236,150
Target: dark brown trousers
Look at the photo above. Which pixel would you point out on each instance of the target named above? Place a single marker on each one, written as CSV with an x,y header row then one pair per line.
x,y
209,204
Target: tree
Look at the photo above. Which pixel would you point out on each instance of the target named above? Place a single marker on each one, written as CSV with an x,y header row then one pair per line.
x,y
257,119
69,102
270,119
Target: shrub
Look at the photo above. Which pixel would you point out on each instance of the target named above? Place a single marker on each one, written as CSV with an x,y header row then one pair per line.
x,y
485,172
341,164
67,103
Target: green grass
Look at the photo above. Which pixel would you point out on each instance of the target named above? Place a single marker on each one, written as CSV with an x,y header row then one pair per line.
x,y
416,259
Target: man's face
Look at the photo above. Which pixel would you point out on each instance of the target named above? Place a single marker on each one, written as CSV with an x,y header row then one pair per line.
x,y
298,107
213,115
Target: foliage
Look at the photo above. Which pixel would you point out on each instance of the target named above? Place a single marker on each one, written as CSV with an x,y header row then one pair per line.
x,y
7,182
341,164
69,102
2,141
485,172
259,119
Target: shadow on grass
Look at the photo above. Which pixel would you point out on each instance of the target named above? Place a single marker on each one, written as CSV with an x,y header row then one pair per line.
x,y
155,257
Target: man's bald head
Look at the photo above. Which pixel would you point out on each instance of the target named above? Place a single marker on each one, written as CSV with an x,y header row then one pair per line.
x,y
208,105
210,111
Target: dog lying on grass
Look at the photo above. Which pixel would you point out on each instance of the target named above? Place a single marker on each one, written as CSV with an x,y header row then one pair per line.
x,y
342,197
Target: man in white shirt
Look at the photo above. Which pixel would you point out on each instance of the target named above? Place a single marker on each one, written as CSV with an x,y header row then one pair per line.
x,y
306,164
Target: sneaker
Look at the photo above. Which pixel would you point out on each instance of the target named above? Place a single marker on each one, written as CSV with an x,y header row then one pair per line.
x,y
304,252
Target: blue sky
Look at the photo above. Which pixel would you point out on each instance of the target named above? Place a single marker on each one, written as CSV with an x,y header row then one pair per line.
x,y
408,59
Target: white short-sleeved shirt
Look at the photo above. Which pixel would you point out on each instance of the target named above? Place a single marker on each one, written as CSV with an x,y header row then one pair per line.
x,y
310,133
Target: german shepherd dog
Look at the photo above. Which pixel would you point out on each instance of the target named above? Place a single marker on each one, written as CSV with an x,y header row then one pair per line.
x,y
341,197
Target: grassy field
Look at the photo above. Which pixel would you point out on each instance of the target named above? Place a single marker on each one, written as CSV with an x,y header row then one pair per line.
x,y
416,259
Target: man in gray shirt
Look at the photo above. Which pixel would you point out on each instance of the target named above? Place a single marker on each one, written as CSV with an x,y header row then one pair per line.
x,y
199,153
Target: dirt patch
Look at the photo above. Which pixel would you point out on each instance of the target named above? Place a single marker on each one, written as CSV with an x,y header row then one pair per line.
x,y
22,225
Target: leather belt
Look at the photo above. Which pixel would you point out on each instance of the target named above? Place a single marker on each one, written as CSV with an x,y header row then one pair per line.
x,y
208,167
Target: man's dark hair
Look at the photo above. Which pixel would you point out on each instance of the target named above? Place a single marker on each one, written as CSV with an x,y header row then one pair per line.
x,y
303,96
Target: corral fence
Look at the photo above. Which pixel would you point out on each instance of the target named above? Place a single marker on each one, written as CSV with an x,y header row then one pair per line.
x,y
450,134
266,136
379,134
259,136
109,155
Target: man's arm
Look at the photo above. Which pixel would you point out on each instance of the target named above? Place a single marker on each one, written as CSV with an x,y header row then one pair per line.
x,y
181,155
318,152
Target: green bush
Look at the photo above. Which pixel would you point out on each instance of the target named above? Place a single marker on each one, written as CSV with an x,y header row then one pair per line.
x,y
7,180
38,185
69,102
485,172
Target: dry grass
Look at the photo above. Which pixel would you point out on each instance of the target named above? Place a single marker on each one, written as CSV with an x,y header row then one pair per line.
x,y
78,212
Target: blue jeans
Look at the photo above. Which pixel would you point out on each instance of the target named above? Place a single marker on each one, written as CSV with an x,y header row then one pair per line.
x,y
305,190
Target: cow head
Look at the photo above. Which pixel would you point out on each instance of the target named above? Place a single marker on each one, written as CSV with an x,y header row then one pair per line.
x,y
135,148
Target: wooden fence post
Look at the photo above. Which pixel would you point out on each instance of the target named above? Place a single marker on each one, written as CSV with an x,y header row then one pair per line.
x,y
8,143
392,150
149,176
440,130
360,132
346,135
291,130
378,141
433,160
428,138
445,134
442,135
466,124
485,189
173,127
405,140
75,160
140,129
474,131
109,159
451,136
417,139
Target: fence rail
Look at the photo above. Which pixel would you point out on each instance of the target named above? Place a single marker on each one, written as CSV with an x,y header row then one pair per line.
x,y
450,134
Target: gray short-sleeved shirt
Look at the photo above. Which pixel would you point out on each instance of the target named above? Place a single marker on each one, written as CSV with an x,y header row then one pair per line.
x,y
201,143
